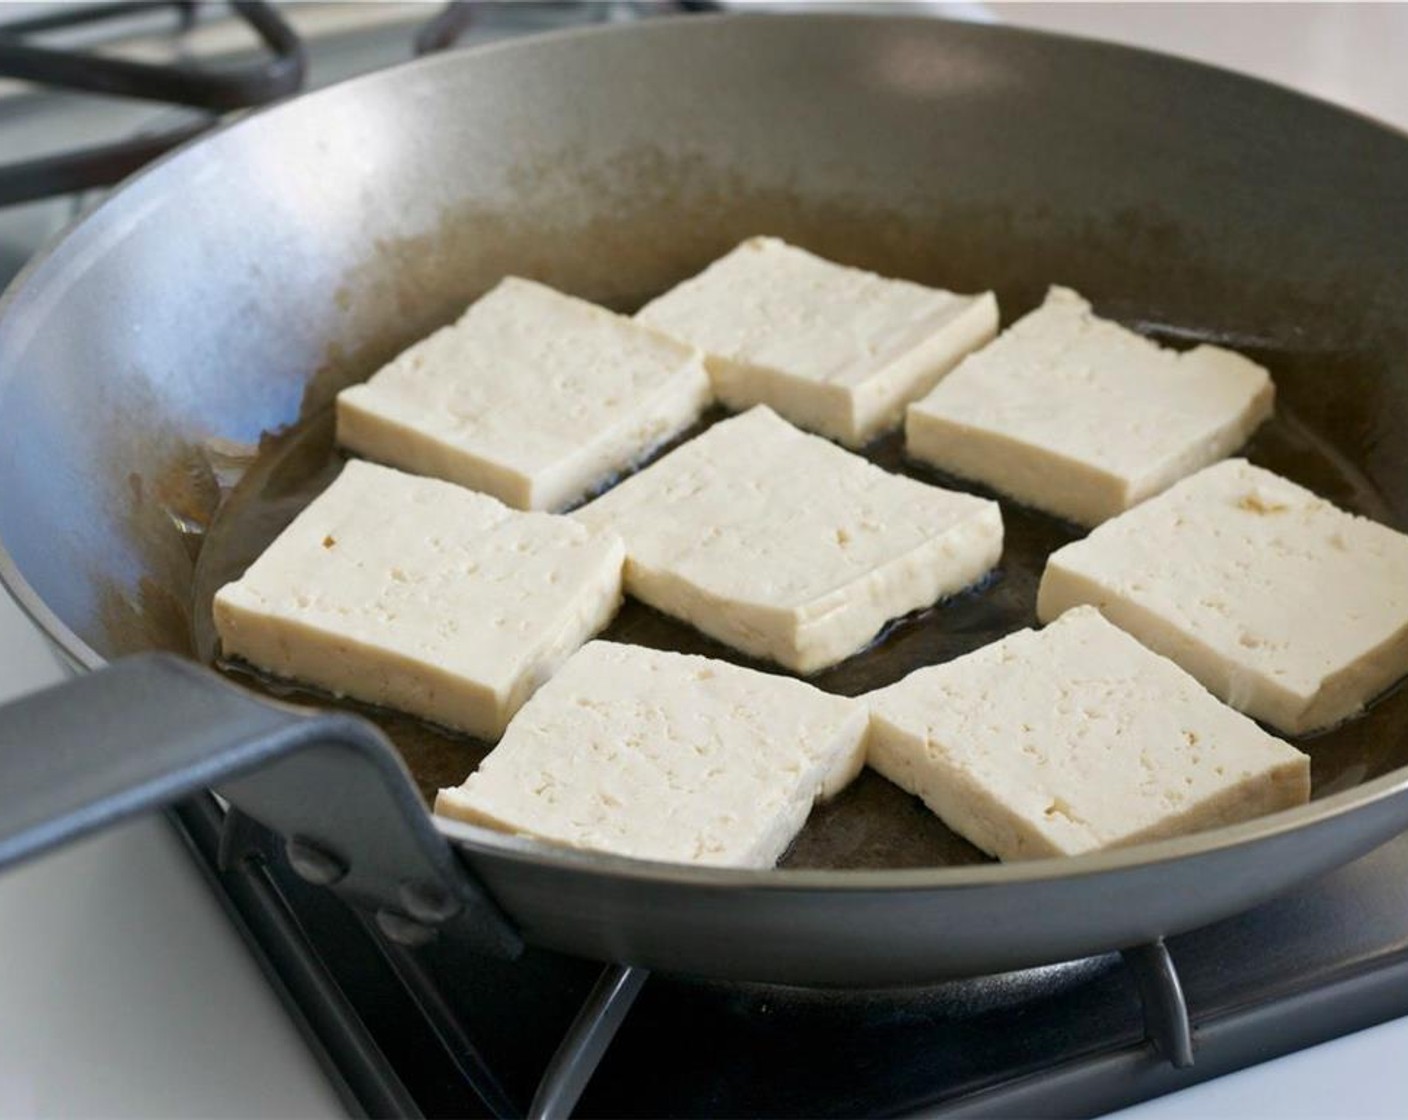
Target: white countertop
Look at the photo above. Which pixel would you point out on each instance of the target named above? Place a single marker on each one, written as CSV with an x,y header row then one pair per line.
x,y
125,992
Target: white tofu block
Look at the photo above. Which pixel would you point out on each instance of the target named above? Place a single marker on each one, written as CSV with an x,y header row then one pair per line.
x,y
534,397
1286,607
1082,418
1073,738
836,350
665,756
419,595
787,547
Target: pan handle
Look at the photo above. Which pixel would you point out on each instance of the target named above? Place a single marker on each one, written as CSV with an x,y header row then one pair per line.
x,y
150,730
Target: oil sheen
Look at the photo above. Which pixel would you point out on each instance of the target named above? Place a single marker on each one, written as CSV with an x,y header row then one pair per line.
x,y
871,824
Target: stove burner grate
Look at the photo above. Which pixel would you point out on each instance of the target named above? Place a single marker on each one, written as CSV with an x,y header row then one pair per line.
x,y
278,73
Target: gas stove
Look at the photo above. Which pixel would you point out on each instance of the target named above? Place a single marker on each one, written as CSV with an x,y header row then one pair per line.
x,y
422,1031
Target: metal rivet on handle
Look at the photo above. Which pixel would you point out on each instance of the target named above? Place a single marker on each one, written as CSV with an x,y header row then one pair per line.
x,y
314,864
428,902
402,928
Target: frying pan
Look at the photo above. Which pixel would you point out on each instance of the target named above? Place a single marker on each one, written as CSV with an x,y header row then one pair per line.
x,y
180,346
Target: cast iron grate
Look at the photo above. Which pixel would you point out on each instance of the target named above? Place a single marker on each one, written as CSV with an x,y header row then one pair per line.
x,y
277,73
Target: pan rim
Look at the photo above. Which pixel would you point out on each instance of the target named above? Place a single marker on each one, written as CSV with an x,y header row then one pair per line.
x,y
520,849
78,655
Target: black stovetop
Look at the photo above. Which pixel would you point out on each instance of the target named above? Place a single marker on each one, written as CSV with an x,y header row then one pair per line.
x,y
451,1034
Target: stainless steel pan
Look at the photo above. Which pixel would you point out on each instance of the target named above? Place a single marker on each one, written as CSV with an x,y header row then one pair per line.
x,y
224,295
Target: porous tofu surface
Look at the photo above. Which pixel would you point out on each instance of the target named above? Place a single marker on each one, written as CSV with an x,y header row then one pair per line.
x,y
422,596
836,350
787,547
1078,416
665,756
1075,738
1286,607
532,396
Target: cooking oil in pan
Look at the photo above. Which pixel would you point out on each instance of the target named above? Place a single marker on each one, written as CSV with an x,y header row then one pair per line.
x,y
873,823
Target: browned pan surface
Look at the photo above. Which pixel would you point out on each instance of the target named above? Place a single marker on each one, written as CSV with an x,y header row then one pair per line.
x,y
873,823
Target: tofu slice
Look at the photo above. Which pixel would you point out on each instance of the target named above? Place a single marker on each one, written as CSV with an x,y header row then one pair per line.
x,y
534,397
1073,738
1286,607
665,756
422,596
787,547
1082,418
836,350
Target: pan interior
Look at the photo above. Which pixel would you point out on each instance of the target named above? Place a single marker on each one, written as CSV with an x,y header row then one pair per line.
x,y
872,824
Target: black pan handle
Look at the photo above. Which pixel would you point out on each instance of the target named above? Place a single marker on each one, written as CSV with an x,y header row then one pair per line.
x,y
150,730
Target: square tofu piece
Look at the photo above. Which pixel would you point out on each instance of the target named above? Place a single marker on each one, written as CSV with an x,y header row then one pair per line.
x,y
1082,418
1287,608
1072,738
419,595
787,547
534,397
836,350
665,756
